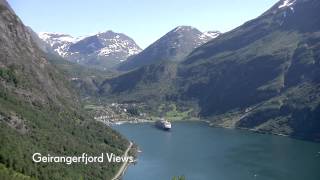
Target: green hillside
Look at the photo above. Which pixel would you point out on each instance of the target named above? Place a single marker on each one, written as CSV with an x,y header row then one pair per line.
x,y
39,112
263,75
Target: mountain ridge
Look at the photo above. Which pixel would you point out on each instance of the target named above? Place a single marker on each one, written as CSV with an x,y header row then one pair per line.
x,y
173,46
103,50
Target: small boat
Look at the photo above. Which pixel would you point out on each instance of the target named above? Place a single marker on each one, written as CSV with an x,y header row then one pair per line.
x,y
163,124
118,123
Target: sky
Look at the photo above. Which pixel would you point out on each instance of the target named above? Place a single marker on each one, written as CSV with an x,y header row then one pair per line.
x,y
143,20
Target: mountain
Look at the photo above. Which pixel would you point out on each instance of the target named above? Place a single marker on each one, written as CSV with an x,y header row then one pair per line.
x,y
40,113
44,46
173,46
84,80
262,76
146,83
103,50
59,42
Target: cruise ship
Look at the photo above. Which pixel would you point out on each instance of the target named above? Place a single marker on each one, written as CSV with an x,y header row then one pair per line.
x,y
163,124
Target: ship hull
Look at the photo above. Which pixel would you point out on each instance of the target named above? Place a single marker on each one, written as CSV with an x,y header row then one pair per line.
x,y
164,125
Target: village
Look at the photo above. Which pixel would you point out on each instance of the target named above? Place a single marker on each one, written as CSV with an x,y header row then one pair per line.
x,y
116,113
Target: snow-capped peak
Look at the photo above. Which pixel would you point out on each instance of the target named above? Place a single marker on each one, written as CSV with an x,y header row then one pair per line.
x,y
103,44
57,36
60,42
61,37
287,3
183,28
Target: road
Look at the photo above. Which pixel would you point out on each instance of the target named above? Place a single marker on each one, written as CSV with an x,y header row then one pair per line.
x,y
124,165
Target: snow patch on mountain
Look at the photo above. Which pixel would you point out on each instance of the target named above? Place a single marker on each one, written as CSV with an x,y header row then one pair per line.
x,y
54,37
183,28
108,44
287,3
202,37
210,34
116,43
58,41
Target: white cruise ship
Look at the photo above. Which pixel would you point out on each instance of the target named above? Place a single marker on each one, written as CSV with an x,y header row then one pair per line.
x,y
163,124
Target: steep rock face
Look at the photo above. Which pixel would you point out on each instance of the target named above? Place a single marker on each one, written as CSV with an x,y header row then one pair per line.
x,y
103,50
44,46
40,113
173,46
21,56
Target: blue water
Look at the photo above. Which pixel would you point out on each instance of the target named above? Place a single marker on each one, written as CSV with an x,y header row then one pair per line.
x,y
200,152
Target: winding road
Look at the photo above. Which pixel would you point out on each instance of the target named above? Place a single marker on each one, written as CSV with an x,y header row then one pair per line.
x,y
124,165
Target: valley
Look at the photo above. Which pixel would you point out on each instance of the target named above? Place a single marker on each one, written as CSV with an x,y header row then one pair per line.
x,y
261,76
226,94
269,65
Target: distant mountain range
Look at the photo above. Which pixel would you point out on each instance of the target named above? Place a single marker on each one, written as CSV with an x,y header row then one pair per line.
x,y
108,50
263,75
173,46
103,50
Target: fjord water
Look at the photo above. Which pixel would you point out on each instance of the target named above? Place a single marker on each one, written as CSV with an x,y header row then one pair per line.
x,y
200,152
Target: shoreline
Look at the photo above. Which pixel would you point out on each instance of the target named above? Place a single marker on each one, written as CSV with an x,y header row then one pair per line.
x,y
152,121
124,166
210,124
